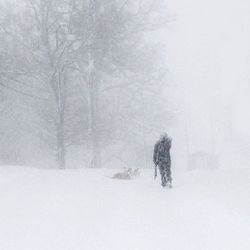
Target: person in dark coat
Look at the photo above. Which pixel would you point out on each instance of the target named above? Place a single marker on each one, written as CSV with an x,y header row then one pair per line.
x,y
162,159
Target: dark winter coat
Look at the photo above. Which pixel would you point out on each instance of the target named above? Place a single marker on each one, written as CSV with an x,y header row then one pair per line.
x,y
162,152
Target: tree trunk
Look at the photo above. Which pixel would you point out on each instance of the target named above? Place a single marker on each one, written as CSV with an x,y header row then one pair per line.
x,y
61,149
61,152
96,153
94,130
93,93
61,99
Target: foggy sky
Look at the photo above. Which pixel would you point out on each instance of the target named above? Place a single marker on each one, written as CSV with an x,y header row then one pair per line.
x,y
208,60
208,53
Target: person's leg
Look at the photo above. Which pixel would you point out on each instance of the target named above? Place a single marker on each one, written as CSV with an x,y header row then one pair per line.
x,y
163,175
169,176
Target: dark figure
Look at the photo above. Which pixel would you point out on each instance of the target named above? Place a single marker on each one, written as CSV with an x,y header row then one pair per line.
x,y
162,159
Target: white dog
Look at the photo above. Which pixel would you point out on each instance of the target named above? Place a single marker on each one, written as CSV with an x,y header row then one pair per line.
x,y
128,174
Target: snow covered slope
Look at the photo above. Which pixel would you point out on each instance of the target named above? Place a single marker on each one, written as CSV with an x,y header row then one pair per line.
x,y
83,209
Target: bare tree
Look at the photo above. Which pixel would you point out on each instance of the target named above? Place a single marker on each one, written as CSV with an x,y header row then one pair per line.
x,y
113,55
88,69
47,53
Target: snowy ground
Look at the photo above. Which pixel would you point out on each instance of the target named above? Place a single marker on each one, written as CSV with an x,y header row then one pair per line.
x,y
83,209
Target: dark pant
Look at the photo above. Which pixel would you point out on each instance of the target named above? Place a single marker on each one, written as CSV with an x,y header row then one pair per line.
x,y
165,172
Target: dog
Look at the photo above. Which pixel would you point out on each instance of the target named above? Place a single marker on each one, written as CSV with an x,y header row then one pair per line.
x,y
128,174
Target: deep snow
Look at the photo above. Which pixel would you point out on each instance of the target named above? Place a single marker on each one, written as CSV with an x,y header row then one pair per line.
x,y
84,209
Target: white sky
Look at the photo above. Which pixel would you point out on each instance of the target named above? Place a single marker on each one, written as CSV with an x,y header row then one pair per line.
x,y
208,55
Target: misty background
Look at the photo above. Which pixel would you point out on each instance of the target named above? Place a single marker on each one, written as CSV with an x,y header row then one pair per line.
x,y
208,50
180,68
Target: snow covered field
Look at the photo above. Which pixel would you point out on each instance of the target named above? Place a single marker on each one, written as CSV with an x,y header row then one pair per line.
x,y
83,209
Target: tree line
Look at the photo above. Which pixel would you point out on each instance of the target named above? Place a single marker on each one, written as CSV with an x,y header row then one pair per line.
x,y
81,73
